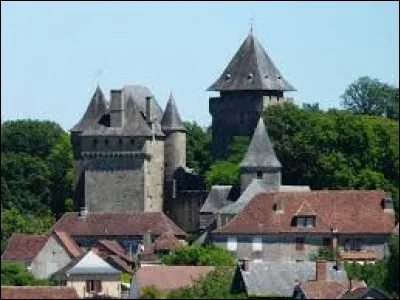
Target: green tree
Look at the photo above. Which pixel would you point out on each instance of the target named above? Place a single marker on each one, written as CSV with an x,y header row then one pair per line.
x,y
151,292
215,285
223,173
323,253
198,145
199,256
15,274
392,279
60,161
370,96
33,137
26,182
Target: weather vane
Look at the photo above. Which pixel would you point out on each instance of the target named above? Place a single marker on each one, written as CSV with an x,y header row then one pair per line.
x,y
251,24
98,74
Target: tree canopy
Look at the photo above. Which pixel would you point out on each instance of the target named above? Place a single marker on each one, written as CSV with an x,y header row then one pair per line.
x,y
372,97
15,273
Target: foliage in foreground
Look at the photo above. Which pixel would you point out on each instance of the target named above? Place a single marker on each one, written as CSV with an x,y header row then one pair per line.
x,y
15,273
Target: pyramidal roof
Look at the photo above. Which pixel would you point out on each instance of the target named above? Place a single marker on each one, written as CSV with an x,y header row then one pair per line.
x,y
171,119
91,263
260,152
95,110
251,69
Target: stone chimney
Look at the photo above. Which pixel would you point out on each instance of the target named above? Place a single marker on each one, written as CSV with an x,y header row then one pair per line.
x,y
321,270
245,264
278,206
83,212
116,109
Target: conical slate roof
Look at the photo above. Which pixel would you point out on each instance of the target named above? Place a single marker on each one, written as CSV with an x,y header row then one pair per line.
x,y
96,109
260,152
251,69
171,119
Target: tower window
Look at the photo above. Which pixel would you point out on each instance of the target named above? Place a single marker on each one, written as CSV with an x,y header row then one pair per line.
x,y
106,142
120,142
132,142
259,174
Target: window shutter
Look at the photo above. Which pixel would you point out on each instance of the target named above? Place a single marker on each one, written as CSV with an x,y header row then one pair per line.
x,y
100,286
88,286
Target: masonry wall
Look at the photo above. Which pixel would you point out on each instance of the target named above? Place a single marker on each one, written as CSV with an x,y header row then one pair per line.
x,y
283,247
115,184
271,177
50,259
175,153
154,176
110,284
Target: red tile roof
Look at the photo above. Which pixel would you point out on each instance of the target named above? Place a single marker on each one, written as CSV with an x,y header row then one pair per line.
x,y
347,211
358,255
326,289
38,292
116,248
23,247
166,278
68,243
166,241
116,224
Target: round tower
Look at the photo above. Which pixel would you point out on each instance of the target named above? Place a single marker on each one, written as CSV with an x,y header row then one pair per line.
x,y
175,139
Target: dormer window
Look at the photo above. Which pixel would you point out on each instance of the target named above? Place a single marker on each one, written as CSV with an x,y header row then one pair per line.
x,y
259,174
305,221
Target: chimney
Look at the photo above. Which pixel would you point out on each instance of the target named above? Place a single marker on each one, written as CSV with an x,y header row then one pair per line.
x,y
245,264
387,204
149,109
116,109
321,270
83,212
278,206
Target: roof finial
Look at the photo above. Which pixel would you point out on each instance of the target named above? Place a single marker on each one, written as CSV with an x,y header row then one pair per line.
x,y
251,24
98,74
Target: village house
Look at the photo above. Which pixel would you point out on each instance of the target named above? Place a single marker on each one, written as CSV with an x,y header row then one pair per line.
x,y
91,276
279,226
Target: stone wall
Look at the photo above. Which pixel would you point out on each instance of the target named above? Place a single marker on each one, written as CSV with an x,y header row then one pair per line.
x,y
51,258
283,247
115,184
154,176
175,153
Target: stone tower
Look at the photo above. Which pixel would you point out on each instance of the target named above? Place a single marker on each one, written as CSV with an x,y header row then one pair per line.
x,y
247,86
175,139
119,153
260,161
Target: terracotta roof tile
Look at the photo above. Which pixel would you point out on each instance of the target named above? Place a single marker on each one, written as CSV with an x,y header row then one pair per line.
x,y
166,241
347,211
358,255
116,248
327,289
167,278
23,247
38,292
116,224
68,243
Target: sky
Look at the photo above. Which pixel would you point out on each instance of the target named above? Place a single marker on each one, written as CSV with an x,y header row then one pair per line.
x,y
53,54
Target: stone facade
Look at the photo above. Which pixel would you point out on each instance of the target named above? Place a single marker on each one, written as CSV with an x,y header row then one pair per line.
x,y
51,258
284,247
110,284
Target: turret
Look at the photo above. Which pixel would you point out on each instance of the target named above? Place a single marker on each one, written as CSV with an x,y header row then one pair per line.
x,y
260,161
175,139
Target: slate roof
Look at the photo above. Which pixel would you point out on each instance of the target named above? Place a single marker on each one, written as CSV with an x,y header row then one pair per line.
x,y
251,69
96,109
219,197
260,153
38,292
89,263
23,247
167,278
171,119
116,224
363,293
352,211
68,243
279,277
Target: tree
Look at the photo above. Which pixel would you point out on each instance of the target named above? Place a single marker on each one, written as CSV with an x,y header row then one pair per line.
x,y
15,273
60,161
151,292
33,137
215,285
223,173
323,253
199,256
392,279
26,182
370,96
198,145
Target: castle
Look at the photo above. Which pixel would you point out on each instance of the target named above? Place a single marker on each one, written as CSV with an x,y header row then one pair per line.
x,y
130,156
